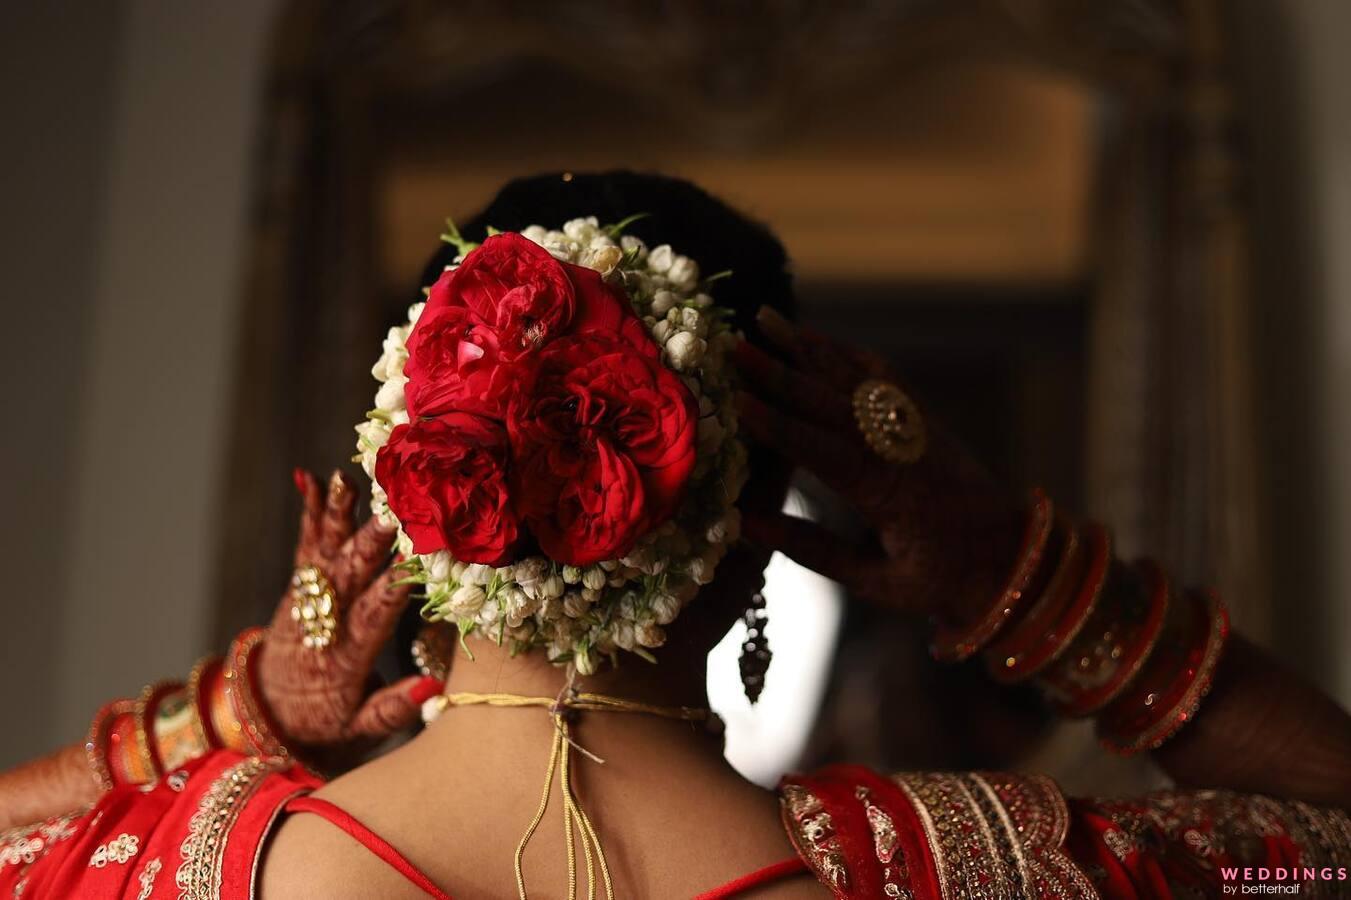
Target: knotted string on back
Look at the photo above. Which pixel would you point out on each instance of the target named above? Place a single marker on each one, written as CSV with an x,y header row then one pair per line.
x,y
560,708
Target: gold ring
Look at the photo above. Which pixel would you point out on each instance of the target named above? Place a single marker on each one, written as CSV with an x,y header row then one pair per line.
x,y
314,606
890,421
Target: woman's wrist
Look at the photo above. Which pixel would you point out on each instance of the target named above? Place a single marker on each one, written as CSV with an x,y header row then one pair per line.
x,y
1098,636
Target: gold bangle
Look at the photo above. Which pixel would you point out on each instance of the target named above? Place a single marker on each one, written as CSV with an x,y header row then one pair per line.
x,y
241,690
96,741
201,702
143,715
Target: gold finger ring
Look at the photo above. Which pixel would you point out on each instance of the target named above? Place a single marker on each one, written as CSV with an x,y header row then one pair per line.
x,y
314,606
890,421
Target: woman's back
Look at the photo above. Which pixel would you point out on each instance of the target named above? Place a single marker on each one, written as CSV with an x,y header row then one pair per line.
x,y
672,818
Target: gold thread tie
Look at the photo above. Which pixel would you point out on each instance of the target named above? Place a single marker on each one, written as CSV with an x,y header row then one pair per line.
x,y
561,710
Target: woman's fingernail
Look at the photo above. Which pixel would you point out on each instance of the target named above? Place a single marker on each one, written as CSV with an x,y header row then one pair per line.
x,y
426,689
298,476
337,484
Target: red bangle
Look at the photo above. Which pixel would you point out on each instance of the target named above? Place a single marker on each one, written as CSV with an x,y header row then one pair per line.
x,y
143,720
1005,656
1049,641
241,688
200,679
96,743
1176,679
1114,645
956,644
126,755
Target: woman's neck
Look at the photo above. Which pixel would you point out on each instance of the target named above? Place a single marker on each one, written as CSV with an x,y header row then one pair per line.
x,y
677,681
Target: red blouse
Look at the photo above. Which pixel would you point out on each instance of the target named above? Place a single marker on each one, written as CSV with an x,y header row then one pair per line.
x,y
197,835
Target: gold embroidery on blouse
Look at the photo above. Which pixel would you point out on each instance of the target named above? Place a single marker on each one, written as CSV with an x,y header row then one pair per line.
x,y
18,846
886,847
118,850
996,836
812,831
199,874
147,878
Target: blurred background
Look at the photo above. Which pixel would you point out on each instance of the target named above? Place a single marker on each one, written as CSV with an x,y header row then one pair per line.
x,y
1105,241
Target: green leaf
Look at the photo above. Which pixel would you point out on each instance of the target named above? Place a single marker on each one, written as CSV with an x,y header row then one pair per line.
x,y
615,230
453,237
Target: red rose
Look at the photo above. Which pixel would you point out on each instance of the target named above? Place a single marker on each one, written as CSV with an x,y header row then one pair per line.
x,y
446,480
604,310
513,286
483,320
455,363
603,442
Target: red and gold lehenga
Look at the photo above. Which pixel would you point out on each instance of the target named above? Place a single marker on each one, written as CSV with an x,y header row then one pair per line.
x,y
199,833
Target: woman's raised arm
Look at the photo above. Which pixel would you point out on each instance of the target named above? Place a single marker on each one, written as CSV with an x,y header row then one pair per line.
x,y
1039,595
312,701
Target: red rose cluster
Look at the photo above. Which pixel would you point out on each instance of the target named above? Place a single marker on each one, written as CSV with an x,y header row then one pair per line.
x,y
540,410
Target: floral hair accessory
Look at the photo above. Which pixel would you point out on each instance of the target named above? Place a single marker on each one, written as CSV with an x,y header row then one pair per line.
x,y
555,437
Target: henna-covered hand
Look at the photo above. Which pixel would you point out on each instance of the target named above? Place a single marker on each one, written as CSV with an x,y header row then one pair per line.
x,y
321,698
942,531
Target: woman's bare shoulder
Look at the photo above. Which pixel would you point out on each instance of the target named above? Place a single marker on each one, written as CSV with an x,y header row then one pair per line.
x,y
310,859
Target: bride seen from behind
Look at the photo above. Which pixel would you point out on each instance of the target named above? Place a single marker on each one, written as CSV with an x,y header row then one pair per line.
x,y
586,464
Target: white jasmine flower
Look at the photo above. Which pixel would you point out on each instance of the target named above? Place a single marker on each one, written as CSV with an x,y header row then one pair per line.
x,y
390,395
574,604
581,230
604,259
467,600
634,246
572,575
414,313
683,273
685,350
437,565
584,662
665,608
622,633
374,434
703,301
662,302
477,573
594,578
660,259
694,322
530,574
535,233
553,586
650,635
518,606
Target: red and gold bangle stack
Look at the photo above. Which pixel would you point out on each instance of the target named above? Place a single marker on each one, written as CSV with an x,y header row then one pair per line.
x,y
1108,653
1174,679
1060,613
136,742
952,644
121,746
242,690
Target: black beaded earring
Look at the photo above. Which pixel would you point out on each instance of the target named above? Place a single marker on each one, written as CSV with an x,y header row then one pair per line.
x,y
755,652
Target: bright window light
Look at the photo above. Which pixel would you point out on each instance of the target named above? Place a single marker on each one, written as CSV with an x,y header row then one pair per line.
x,y
765,741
